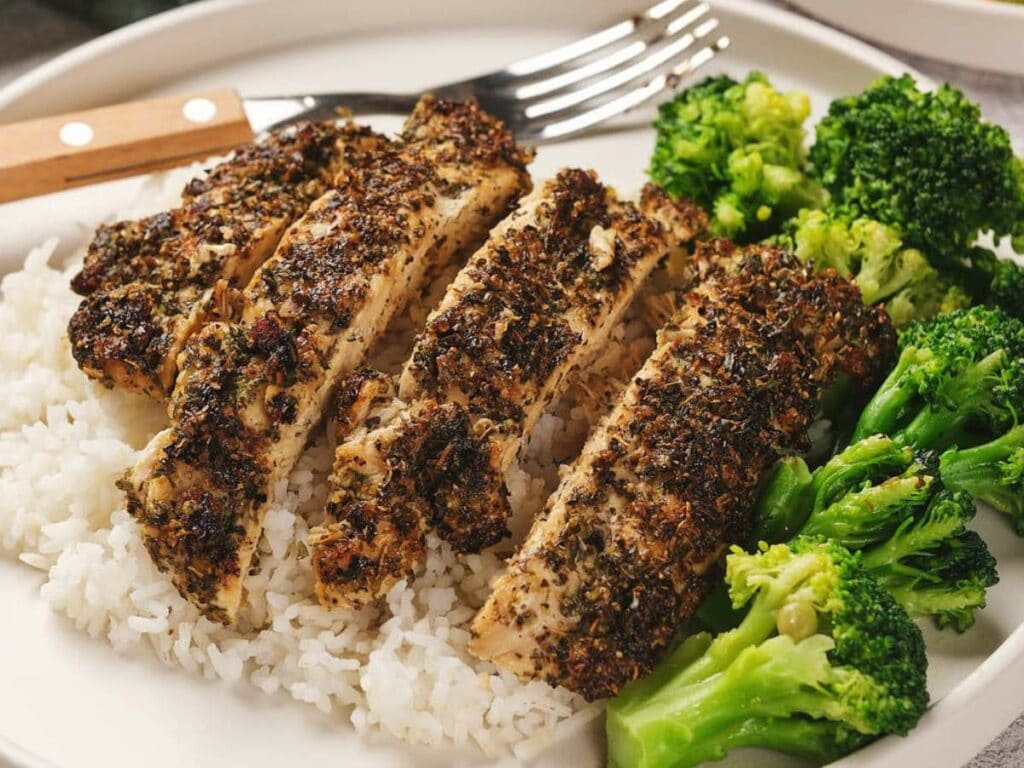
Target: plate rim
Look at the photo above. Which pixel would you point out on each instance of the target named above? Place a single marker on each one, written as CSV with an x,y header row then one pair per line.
x,y
996,673
1004,20
52,69
1000,8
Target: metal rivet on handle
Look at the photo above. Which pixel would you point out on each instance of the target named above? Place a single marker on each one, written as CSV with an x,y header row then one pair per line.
x,y
76,133
199,110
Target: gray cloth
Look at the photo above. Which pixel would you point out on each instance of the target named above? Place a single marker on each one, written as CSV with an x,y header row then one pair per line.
x,y
30,33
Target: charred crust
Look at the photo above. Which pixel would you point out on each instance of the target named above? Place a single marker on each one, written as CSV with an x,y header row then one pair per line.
x,y
469,134
177,256
457,476
275,178
383,193
124,326
255,379
439,476
520,309
733,386
683,218
509,331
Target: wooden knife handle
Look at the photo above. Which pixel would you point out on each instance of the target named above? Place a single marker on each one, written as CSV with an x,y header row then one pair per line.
x,y
53,153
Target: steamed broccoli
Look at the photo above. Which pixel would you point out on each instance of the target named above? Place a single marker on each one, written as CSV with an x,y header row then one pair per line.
x,y
934,567
883,499
784,503
924,163
866,506
737,149
872,255
1006,288
894,192
789,495
824,661
959,378
993,281
992,473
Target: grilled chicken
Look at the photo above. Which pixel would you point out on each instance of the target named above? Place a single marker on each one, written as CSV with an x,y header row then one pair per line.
x,y
537,302
251,389
627,544
148,283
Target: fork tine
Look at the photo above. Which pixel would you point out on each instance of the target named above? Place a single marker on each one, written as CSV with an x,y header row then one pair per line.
x,y
543,132
551,61
655,61
644,38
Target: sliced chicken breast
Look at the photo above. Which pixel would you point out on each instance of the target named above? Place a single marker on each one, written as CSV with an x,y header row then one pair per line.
x,y
534,304
627,544
148,284
251,388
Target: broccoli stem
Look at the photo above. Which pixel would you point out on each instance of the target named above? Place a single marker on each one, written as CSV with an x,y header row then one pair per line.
x,y
888,407
812,740
980,479
910,539
685,723
716,612
937,427
863,517
870,458
992,473
785,502
938,601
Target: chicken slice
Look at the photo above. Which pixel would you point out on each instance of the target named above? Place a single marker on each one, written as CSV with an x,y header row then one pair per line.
x,y
148,283
535,303
251,388
626,545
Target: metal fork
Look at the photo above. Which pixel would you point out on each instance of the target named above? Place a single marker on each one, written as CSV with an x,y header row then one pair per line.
x,y
557,94
542,99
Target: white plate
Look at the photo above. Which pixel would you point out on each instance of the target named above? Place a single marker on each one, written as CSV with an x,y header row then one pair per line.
x,y
72,700
984,34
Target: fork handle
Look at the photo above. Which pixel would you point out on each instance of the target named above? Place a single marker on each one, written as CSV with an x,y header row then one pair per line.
x,y
54,153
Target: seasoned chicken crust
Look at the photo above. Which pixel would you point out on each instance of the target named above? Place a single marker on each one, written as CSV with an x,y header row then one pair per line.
x,y
535,303
252,386
625,547
148,284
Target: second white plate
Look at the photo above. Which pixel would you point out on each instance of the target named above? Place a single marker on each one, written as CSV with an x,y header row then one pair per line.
x,y
983,34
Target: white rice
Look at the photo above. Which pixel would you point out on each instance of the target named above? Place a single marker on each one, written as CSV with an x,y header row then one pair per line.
x,y
403,670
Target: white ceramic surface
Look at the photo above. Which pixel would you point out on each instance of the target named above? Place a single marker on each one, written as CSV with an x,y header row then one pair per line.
x,y
983,34
74,702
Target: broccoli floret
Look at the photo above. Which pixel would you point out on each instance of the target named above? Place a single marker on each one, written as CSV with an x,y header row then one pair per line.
x,y
926,297
993,281
871,459
873,256
952,593
1006,289
968,565
992,473
871,509
958,377
879,497
824,661
934,566
885,154
737,149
